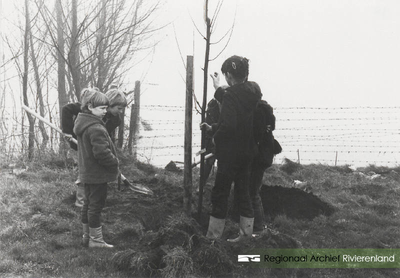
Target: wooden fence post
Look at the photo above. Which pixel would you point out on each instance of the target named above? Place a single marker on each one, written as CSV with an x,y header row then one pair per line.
x,y
134,123
298,156
121,129
187,178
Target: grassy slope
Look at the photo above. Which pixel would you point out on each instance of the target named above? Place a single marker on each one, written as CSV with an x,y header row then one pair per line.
x,y
40,229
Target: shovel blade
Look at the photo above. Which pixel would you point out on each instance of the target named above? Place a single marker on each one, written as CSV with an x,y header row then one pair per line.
x,y
141,189
138,188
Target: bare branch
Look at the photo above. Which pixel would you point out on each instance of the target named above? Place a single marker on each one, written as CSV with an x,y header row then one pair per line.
x,y
229,39
179,49
195,26
216,14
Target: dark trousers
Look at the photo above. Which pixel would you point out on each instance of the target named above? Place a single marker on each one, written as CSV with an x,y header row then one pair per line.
x,y
96,195
255,184
227,173
256,176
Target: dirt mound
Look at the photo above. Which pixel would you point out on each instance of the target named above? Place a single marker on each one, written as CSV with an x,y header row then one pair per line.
x,y
292,202
179,249
154,238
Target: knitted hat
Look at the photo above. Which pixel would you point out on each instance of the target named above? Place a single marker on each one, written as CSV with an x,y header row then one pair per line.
x,y
116,97
87,94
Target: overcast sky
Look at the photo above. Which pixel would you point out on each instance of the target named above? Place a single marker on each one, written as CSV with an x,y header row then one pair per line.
x,y
302,53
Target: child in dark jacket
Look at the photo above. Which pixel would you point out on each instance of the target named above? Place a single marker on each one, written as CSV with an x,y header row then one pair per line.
x,y
98,164
111,119
235,147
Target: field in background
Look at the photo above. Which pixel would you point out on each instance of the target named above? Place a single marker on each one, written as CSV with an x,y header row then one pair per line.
x,y
356,136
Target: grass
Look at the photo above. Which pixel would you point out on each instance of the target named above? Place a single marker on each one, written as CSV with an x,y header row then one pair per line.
x,y
40,228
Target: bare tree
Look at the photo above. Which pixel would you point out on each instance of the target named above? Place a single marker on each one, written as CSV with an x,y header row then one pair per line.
x,y
73,56
62,99
102,45
43,131
91,43
100,42
31,140
61,74
39,93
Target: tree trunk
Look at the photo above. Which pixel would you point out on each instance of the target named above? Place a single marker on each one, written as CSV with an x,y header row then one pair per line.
x,y
39,94
100,43
203,109
31,140
74,53
62,95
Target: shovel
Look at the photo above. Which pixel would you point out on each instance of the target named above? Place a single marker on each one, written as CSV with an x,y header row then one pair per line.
x,y
136,187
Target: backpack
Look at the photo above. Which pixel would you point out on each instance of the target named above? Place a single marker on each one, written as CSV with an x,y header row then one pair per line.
x,y
268,146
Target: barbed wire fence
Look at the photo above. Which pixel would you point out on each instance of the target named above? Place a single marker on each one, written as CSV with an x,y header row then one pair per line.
x,y
333,136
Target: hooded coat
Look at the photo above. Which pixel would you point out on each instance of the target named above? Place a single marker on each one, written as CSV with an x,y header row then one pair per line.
x,y
234,138
97,156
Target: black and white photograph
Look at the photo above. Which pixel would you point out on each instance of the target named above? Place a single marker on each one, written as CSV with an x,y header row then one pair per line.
x,y
199,138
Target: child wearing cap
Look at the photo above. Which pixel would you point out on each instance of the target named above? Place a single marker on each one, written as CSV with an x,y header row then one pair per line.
x,y
98,164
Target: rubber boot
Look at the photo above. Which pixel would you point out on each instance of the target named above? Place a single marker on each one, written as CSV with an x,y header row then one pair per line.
x,y
258,232
215,228
85,237
258,218
80,194
246,229
96,238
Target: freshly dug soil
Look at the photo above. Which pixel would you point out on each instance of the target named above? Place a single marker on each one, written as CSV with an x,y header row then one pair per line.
x,y
153,237
292,202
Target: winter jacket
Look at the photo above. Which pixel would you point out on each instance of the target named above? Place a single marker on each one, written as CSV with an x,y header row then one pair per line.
x,y
69,113
68,116
234,138
97,157
263,117
212,117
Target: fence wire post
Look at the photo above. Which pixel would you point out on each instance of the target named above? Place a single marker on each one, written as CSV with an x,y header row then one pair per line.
x,y
187,178
298,156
